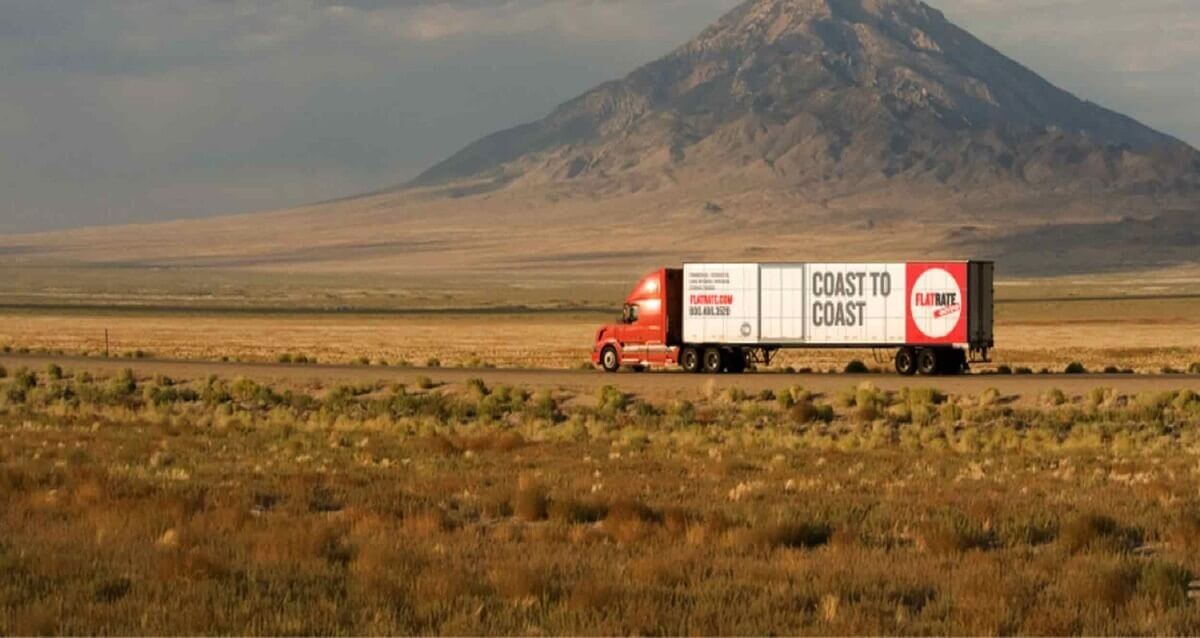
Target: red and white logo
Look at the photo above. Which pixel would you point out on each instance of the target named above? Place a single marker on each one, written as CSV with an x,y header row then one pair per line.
x,y
937,303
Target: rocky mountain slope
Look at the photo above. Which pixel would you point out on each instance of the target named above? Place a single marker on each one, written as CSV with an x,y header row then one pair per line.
x,y
835,91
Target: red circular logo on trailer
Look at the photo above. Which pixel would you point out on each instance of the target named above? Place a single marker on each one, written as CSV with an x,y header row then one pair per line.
x,y
937,303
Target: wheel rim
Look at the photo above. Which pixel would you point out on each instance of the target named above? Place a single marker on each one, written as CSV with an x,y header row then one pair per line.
x,y
712,361
610,359
691,360
904,362
927,362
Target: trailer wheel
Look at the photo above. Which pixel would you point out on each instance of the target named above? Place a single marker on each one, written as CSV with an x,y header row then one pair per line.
x,y
609,359
713,361
906,362
928,362
689,359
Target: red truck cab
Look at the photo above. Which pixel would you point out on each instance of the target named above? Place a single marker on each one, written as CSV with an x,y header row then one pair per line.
x,y
650,329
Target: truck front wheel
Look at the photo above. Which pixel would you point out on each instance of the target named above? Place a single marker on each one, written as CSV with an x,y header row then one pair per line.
x,y
609,359
689,359
906,362
713,361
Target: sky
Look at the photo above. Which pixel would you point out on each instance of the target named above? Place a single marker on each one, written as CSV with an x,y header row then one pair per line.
x,y
117,111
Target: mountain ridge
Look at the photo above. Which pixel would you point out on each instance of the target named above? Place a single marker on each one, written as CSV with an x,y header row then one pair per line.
x,y
883,77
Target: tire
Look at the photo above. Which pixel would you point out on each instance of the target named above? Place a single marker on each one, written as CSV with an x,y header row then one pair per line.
x,y
609,359
689,359
714,361
906,362
928,362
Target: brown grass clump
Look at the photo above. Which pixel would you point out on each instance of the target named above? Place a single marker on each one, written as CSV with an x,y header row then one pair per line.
x,y
1095,532
1185,532
427,522
530,504
1107,585
592,594
790,535
629,521
516,581
660,570
570,510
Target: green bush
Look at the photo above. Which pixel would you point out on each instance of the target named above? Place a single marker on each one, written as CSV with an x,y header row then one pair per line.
x,y
124,384
1194,368
3,372
424,383
1075,368
433,362
611,399
54,372
1003,369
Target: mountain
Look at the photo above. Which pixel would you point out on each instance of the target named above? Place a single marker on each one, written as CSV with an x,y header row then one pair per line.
x,y
789,130
845,91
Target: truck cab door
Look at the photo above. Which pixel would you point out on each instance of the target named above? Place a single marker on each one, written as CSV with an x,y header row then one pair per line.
x,y
633,337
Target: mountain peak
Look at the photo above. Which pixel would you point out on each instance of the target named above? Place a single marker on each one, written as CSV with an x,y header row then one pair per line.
x,y
832,90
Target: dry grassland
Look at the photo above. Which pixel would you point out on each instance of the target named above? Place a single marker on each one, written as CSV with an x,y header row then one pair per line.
x,y
132,505
1144,335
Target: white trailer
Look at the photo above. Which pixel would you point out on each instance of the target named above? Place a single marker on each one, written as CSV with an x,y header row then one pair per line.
x,y
937,315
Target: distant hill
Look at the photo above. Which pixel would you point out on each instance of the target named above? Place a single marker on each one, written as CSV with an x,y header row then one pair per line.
x,y
790,129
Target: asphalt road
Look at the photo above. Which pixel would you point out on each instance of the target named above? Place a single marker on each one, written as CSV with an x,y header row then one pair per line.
x,y
649,384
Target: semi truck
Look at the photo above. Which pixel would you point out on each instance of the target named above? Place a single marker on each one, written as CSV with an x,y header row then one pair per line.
x,y
731,317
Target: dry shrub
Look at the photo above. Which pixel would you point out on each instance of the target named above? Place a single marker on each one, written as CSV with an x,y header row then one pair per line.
x,y
441,585
495,503
591,594
792,535
570,510
427,522
494,442
629,521
39,619
300,542
844,538
1096,532
377,561
1165,584
1185,532
676,521
190,564
1109,586
659,571
530,504
440,444
586,535
714,525
519,582
951,535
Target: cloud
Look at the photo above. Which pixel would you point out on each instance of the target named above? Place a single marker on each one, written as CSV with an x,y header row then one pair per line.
x,y
120,110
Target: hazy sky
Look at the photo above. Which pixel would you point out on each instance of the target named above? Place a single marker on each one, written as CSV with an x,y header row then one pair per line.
x,y
126,110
